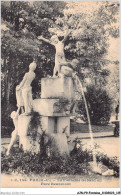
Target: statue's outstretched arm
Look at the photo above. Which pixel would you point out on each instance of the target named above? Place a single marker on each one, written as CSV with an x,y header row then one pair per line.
x,y
46,40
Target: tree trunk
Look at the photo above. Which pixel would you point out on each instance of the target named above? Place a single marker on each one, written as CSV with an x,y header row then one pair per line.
x,y
7,83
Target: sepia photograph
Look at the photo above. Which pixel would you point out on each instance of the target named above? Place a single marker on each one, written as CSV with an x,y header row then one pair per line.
x,y
60,94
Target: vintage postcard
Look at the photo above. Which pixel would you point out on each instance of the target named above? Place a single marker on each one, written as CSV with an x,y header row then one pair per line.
x,y
60,94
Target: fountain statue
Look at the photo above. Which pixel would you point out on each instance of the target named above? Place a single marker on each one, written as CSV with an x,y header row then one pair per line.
x,y
24,90
24,99
69,69
58,43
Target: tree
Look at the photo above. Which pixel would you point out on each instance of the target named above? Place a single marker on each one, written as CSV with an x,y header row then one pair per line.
x,y
22,22
99,106
90,38
113,84
95,30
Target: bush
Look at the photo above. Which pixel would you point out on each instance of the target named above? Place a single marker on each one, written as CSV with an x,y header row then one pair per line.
x,y
111,163
77,163
99,106
27,163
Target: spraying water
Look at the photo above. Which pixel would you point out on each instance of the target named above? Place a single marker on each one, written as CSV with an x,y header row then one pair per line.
x,y
78,83
96,168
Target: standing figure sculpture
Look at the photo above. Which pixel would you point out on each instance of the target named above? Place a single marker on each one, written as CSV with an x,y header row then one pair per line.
x,y
58,43
24,90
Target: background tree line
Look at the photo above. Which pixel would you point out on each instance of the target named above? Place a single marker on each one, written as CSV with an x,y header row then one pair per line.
x,y
92,26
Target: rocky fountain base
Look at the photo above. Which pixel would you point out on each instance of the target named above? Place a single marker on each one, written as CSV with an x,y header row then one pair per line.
x,y
51,114
45,131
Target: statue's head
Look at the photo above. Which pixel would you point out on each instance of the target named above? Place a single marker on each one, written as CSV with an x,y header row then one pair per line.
x,y
32,66
54,39
74,63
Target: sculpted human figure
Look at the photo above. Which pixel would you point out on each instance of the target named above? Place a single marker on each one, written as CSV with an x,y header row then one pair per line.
x,y
68,69
24,90
19,99
58,43
14,116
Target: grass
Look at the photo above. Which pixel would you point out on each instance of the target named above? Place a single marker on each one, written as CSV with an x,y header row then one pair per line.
x,y
83,128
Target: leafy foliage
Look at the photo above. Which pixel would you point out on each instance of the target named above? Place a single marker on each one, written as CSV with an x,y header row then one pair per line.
x,y
28,163
99,105
77,163
22,22
111,163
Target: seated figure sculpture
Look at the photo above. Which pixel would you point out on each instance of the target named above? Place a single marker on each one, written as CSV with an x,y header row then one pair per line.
x,y
24,90
68,69
58,43
14,116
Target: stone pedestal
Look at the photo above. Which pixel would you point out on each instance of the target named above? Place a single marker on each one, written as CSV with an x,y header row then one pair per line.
x,y
57,97
48,124
23,125
59,144
57,88
63,124
52,107
27,132
29,144
56,124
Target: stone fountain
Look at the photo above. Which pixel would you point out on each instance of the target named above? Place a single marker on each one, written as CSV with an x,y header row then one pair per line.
x,y
49,116
52,111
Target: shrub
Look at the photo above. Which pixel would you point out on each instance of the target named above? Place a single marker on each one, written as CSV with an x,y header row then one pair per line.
x,y
111,163
28,163
99,105
76,163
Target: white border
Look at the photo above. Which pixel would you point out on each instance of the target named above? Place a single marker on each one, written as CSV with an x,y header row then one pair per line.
x,y
59,191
